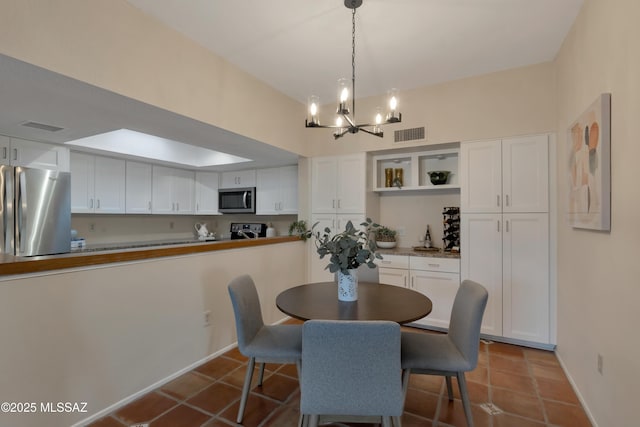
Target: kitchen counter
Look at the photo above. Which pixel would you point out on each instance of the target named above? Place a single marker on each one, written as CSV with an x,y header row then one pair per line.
x,y
413,252
108,254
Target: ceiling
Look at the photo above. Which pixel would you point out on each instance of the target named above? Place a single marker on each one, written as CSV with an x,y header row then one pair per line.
x,y
300,47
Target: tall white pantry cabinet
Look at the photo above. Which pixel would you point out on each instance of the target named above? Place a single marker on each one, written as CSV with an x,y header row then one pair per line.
x,y
505,242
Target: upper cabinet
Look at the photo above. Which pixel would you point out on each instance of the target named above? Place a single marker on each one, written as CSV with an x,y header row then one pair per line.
x,y
413,171
238,179
173,191
207,193
508,175
339,184
138,188
277,191
97,184
20,152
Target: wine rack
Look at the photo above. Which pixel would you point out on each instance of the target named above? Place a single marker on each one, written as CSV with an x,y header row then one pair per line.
x,y
451,224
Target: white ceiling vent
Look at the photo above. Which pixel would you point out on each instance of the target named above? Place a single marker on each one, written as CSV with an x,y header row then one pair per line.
x,y
406,135
42,126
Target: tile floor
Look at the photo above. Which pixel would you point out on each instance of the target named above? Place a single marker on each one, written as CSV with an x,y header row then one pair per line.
x,y
512,386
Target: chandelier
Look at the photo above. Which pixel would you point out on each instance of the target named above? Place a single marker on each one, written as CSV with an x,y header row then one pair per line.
x,y
345,119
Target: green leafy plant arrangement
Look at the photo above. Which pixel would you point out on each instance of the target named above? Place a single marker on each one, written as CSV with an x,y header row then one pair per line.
x,y
385,234
350,248
299,228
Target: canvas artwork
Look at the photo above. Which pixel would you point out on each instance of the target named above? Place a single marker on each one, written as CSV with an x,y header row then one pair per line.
x,y
589,167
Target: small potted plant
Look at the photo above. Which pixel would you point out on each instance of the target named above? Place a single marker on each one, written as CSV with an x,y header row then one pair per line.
x,y
348,250
385,237
299,228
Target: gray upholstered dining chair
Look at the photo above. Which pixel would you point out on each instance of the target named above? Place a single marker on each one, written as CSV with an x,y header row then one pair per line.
x,y
351,372
454,353
259,342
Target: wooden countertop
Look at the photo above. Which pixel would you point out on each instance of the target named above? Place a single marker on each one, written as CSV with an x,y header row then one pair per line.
x,y
21,265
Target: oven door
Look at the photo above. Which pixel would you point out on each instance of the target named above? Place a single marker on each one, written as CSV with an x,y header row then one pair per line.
x,y
237,200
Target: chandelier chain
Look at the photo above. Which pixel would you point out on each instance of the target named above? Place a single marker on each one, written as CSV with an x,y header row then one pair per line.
x,y
353,62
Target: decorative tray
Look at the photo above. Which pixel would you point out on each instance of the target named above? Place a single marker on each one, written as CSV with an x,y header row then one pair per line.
x,y
423,249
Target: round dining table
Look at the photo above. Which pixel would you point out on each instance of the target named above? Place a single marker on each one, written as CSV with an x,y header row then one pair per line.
x,y
375,301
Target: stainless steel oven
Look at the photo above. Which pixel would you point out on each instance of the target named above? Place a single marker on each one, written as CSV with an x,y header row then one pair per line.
x,y
237,200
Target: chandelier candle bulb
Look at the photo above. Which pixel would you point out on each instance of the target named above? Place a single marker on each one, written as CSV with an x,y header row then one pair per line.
x,y
314,103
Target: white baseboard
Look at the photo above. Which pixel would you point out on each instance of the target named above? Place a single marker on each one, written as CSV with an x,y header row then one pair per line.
x,y
577,392
152,387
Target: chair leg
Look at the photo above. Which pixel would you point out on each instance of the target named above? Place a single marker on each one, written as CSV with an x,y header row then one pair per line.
x,y
449,387
396,421
261,374
466,404
405,382
245,389
386,422
312,420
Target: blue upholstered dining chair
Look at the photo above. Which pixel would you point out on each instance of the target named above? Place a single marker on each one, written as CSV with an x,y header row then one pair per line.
x,y
259,342
454,353
350,370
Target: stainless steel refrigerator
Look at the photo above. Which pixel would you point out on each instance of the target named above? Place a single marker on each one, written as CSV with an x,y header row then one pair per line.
x,y
35,211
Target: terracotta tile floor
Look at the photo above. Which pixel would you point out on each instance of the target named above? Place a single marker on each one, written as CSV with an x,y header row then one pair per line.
x,y
512,386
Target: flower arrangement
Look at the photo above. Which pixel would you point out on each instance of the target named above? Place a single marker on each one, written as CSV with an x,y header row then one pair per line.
x,y
350,248
385,234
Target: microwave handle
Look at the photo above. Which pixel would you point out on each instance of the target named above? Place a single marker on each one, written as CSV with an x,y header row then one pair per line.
x,y
244,199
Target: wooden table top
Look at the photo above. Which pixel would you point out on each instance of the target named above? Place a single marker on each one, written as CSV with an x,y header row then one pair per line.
x,y
375,302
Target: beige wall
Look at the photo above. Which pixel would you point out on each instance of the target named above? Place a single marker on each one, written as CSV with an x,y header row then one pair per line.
x,y
100,335
598,272
112,45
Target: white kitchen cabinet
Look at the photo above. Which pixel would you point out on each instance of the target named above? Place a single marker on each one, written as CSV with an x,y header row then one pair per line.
x,y
173,191
206,187
394,270
238,179
277,191
31,154
509,255
138,188
508,175
97,184
338,184
438,279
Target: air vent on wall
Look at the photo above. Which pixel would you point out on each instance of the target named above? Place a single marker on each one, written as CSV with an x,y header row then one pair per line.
x,y
42,126
406,135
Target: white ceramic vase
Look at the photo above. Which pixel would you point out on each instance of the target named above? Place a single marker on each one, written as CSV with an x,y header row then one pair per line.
x,y
348,285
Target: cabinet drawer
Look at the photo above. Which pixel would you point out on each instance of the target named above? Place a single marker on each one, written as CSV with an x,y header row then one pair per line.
x,y
393,261
451,265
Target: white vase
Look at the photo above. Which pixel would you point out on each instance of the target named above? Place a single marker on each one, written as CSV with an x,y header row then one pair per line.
x,y
348,285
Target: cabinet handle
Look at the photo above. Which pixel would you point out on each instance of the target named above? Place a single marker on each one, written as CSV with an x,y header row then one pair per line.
x,y
173,206
149,205
4,152
333,203
197,207
498,222
434,265
338,203
506,201
405,281
90,203
385,262
498,200
412,281
507,226
97,203
15,154
178,206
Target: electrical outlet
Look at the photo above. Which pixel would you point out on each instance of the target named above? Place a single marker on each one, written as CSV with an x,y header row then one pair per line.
x,y
400,231
92,226
171,225
206,316
600,362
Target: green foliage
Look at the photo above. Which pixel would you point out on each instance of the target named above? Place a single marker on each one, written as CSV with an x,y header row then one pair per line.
x,y
299,228
385,234
348,249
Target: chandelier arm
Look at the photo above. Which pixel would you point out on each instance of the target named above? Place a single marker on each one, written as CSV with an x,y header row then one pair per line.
x,y
378,134
353,62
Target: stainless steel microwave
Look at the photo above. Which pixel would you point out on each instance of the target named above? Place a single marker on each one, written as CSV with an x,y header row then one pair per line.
x,y
237,200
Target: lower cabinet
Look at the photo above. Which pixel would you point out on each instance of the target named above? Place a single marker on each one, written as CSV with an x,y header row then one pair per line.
x,y
437,278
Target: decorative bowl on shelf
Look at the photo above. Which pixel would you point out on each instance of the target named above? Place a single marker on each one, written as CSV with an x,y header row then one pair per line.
x,y
439,177
386,245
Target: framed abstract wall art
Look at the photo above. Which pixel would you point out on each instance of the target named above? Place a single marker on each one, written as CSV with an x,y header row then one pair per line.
x,y
589,167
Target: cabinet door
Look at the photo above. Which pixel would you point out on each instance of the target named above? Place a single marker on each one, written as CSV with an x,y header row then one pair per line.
x,y
207,193
82,183
5,150
351,184
525,174
268,191
288,190
109,184
481,176
393,276
184,191
238,179
32,154
441,288
481,261
324,181
342,220
162,190
526,276
138,188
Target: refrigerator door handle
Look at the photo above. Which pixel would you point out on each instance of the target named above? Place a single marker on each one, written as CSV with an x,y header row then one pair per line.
x,y
21,214
6,208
